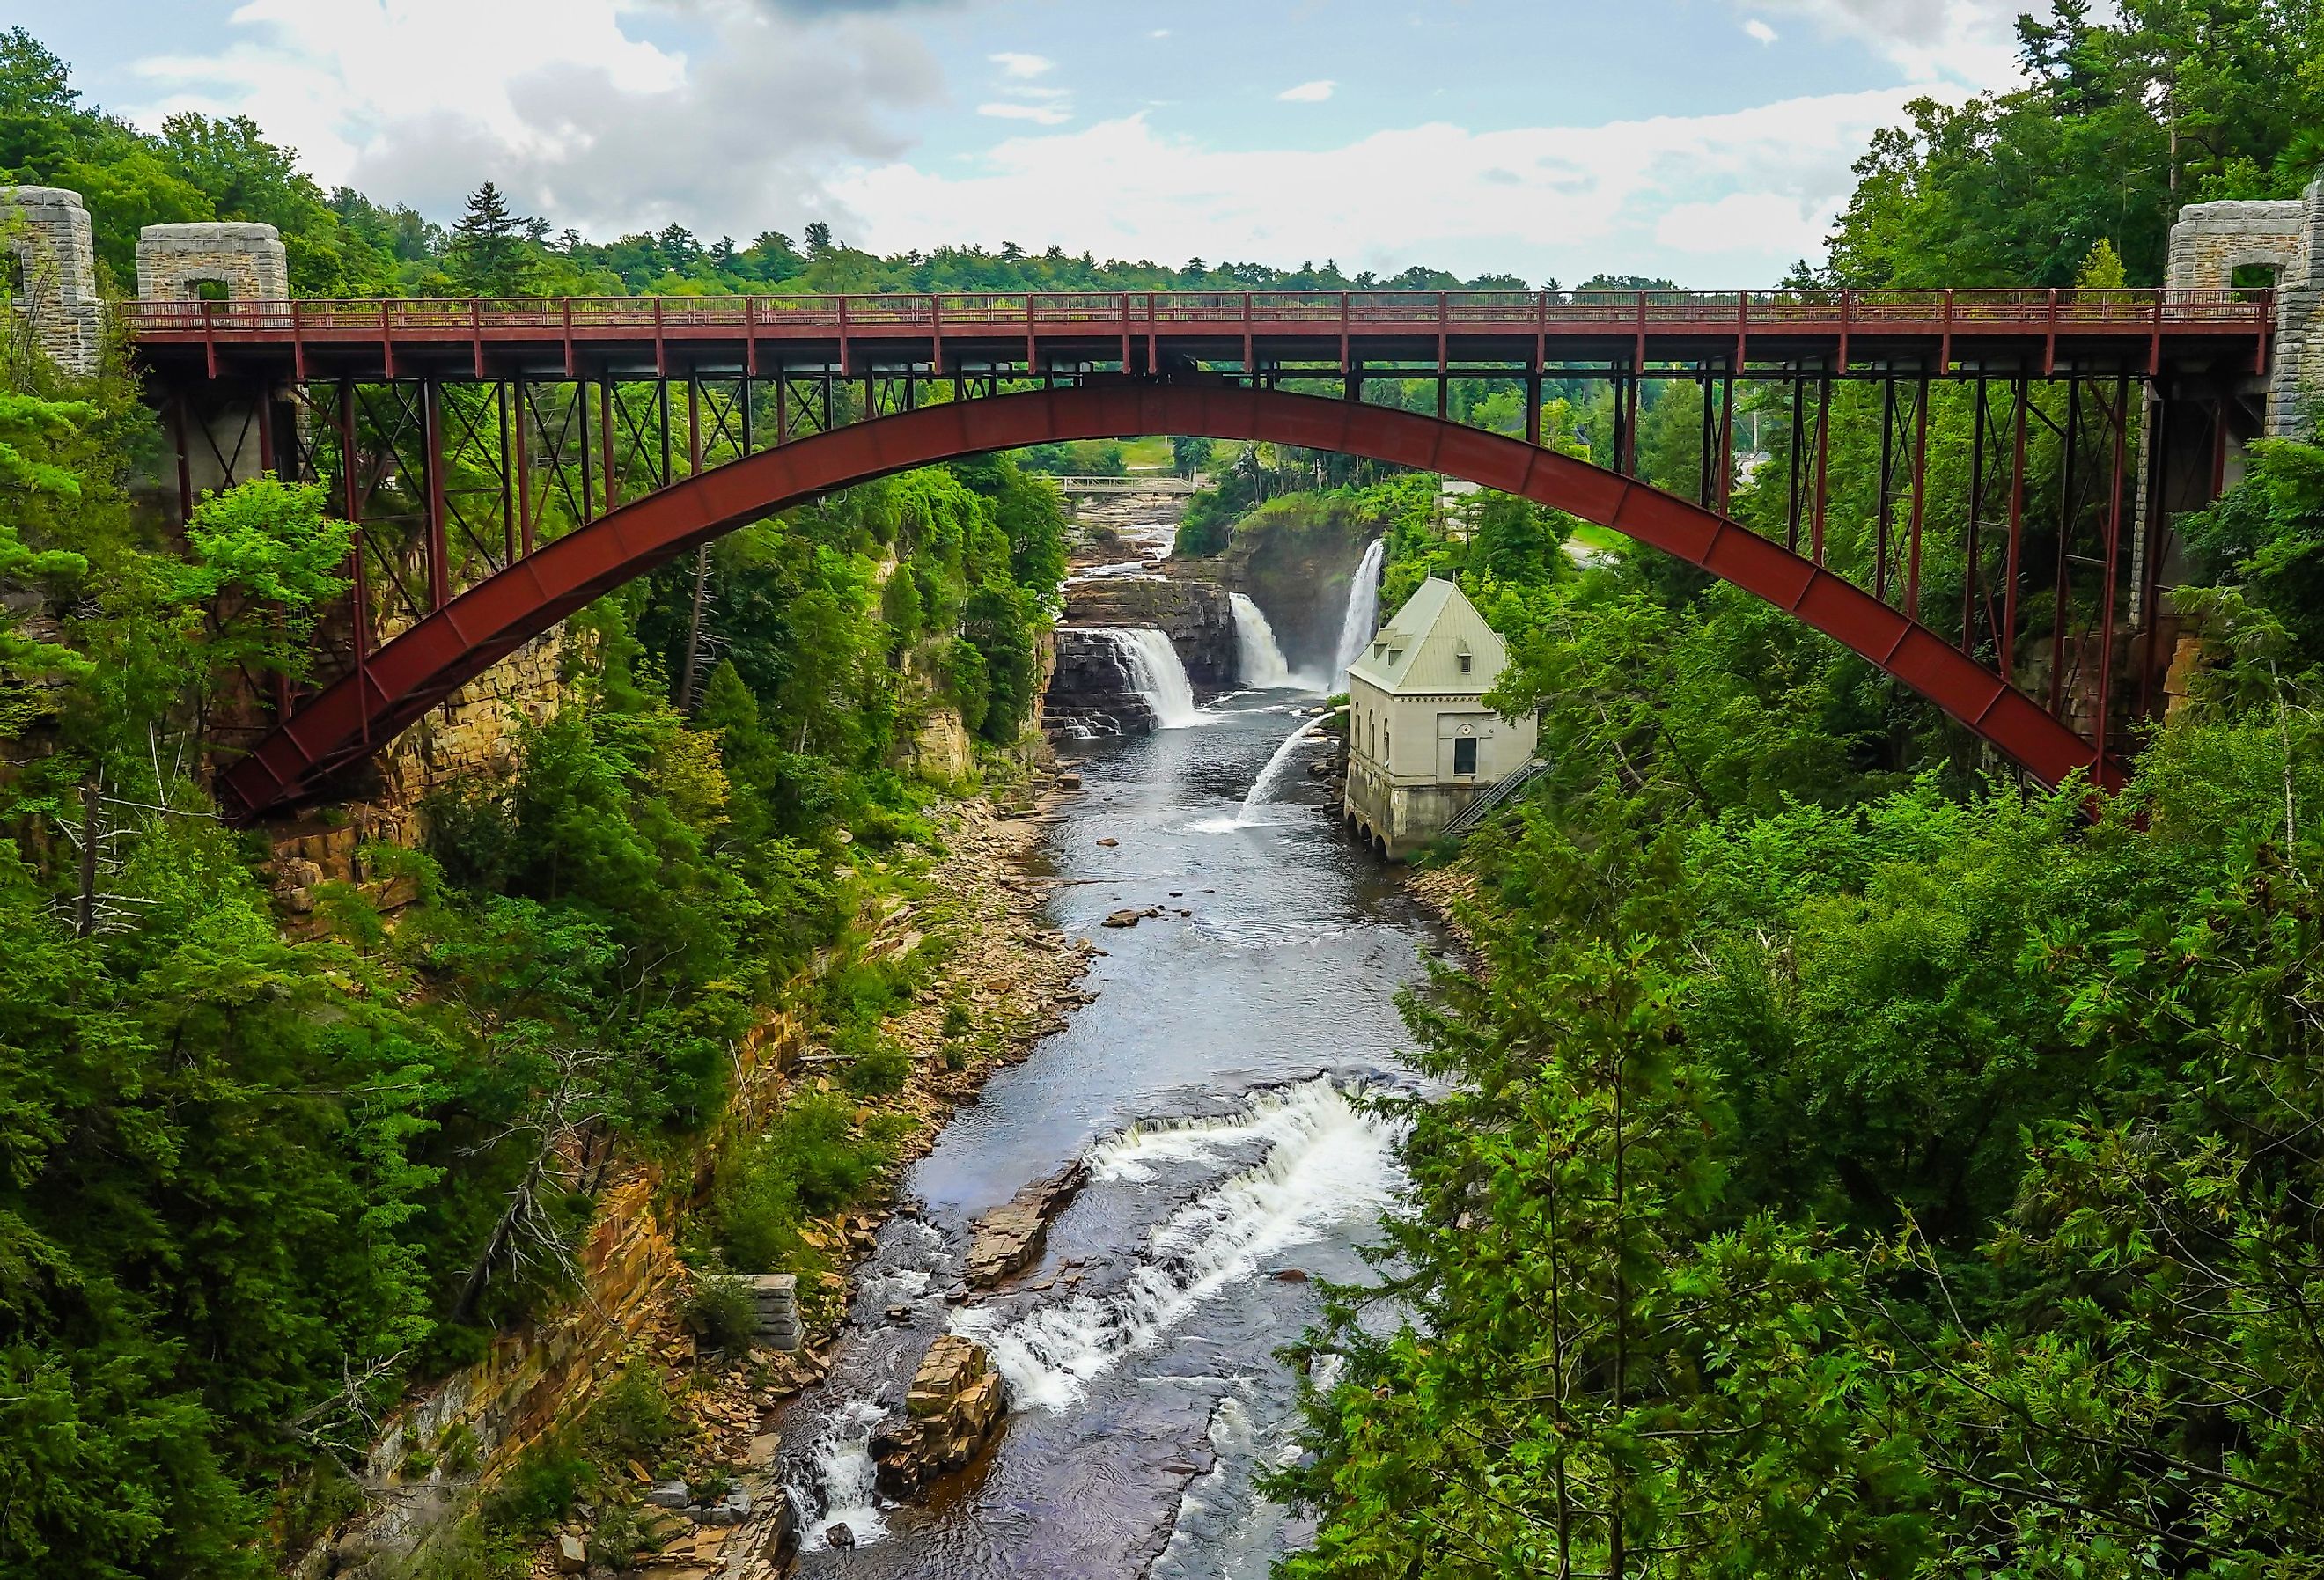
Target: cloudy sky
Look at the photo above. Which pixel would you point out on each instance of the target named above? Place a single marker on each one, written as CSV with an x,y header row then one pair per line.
x,y
1705,140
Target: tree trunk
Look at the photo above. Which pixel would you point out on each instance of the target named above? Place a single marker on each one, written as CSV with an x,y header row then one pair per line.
x,y
693,628
92,810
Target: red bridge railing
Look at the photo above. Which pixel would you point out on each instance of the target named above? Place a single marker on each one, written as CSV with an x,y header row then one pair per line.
x,y
2123,312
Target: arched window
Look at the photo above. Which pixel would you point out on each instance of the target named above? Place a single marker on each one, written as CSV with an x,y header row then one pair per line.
x,y
11,273
207,291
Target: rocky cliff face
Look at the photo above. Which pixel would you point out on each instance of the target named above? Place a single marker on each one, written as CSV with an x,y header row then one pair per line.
x,y
1296,566
1193,614
1091,691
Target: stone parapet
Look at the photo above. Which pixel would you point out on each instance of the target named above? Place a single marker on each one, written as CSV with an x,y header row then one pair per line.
x,y
2211,241
46,229
174,262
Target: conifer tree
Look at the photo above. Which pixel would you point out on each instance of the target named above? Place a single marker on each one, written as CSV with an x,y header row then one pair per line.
x,y
489,255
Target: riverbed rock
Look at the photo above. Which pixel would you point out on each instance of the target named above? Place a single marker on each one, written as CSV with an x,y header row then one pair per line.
x,y
1124,918
954,1407
782,1540
1012,1234
838,1536
572,1555
1109,843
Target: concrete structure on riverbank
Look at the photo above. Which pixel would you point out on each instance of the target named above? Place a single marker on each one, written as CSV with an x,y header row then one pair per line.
x,y
1421,741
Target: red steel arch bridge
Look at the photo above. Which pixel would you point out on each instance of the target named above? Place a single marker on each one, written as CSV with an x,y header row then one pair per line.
x,y
508,461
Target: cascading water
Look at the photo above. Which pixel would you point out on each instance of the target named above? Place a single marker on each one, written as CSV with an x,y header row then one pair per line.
x,y
840,1489
1155,674
1327,1161
1258,655
1362,618
1263,786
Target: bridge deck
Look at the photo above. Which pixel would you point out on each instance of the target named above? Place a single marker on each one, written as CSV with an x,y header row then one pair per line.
x,y
1418,334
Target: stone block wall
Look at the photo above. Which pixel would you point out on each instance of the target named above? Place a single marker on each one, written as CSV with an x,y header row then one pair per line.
x,y
475,735
2212,240
175,261
47,230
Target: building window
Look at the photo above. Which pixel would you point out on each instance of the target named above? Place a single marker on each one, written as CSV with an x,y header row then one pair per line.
x,y
1468,663
1464,754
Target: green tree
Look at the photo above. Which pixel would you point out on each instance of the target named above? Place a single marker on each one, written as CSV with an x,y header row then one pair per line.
x,y
488,254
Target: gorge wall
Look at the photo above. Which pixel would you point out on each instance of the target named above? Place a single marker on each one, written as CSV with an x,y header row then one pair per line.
x,y
1294,558
1096,688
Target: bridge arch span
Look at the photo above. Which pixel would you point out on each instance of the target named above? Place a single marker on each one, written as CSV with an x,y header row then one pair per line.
x,y
422,665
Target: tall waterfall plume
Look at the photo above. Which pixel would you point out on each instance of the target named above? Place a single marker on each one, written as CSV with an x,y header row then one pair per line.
x,y
1362,618
1155,674
1257,654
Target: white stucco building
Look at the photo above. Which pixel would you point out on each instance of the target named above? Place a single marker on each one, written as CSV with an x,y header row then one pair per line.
x,y
1421,741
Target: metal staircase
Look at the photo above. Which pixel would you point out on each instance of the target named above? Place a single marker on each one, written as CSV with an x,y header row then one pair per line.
x,y
1497,794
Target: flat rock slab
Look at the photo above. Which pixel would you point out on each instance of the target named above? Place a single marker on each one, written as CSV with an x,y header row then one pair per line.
x,y
1011,1235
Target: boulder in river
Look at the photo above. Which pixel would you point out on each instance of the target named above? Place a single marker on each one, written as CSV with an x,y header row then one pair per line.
x,y
954,1407
1011,1235
1124,918
837,1535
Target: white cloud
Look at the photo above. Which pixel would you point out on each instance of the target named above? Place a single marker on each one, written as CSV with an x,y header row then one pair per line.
x,y
1040,115
1759,31
1786,224
419,101
1736,196
1020,65
1159,32
1971,42
1308,93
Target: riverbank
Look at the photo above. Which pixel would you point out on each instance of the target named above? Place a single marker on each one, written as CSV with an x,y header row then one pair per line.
x,y
1001,980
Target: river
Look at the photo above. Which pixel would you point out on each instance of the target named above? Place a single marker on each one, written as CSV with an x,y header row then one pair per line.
x,y
1207,1088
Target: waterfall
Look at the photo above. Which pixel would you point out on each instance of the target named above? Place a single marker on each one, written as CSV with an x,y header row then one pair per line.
x,y
1155,674
1260,660
1362,618
839,1487
1264,785
1328,1159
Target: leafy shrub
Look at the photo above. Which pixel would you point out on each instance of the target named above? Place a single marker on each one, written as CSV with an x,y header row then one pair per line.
x,y
546,1480
465,1553
634,1419
878,1070
720,1312
620,1539
809,1162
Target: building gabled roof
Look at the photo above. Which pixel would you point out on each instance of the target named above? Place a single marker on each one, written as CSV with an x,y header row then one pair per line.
x,y
1418,650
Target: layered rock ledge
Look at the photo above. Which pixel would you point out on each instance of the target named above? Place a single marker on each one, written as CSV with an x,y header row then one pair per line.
x,y
1012,1234
954,1407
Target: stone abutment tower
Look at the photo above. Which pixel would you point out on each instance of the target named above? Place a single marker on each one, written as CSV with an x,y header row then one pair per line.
x,y
2211,241
52,275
